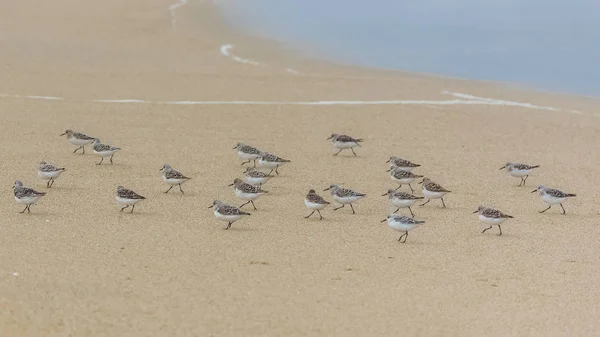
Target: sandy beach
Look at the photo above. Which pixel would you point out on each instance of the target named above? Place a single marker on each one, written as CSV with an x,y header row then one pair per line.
x,y
181,87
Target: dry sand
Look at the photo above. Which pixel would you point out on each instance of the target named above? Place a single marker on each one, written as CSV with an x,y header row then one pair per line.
x,y
76,266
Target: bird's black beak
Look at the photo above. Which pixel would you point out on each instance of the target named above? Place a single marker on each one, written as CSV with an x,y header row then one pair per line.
x,y
533,191
62,134
231,184
476,211
389,170
383,195
234,148
329,137
161,169
420,182
327,189
502,168
211,206
384,220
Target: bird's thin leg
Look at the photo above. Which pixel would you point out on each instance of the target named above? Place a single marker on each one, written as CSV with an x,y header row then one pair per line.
x,y
254,163
276,172
306,217
397,209
77,149
228,225
167,191
26,207
524,180
48,184
443,203
244,204
338,152
546,209
246,162
252,201
401,236
320,216
405,237
29,208
398,187
102,159
132,208
111,158
123,208
425,203
564,212
411,212
353,212
82,149
487,229
335,209
411,189
500,228
353,152
180,190
51,182
270,171
521,182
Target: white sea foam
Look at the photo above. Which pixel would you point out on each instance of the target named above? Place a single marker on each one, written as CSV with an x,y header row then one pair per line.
x,y
225,50
172,10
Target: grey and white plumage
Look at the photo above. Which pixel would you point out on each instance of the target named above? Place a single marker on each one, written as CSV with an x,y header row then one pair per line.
x,y
519,170
26,196
78,138
226,212
173,177
256,177
315,202
492,217
104,150
344,196
402,223
552,196
247,192
402,176
247,153
128,198
49,172
271,161
343,142
433,190
402,200
402,163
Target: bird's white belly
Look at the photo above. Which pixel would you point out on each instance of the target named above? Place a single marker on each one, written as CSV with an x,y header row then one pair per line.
x,y
345,200
403,180
49,175
344,145
268,164
79,142
433,195
228,218
402,203
246,196
552,200
123,201
491,221
312,205
519,173
400,226
404,168
247,156
105,153
28,200
171,181
255,180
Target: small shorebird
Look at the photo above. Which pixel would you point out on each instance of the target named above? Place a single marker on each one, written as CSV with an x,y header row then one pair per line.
x,y
315,202
104,150
402,223
552,196
26,196
271,161
402,200
344,196
172,177
519,170
227,212
247,153
403,177
49,172
255,177
401,163
490,216
78,139
344,142
128,198
433,190
247,192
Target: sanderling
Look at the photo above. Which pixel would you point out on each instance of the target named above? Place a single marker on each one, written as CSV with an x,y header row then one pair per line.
x,y
401,163
104,150
26,196
315,202
519,170
78,139
247,153
402,223
173,177
553,196
128,198
255,177
403,177
271,161
344,142
344,196
432,190
49,172
402,200
247,192
227,212
490,216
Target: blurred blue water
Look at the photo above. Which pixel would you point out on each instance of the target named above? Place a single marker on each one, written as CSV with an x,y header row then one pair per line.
x,y
551,44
